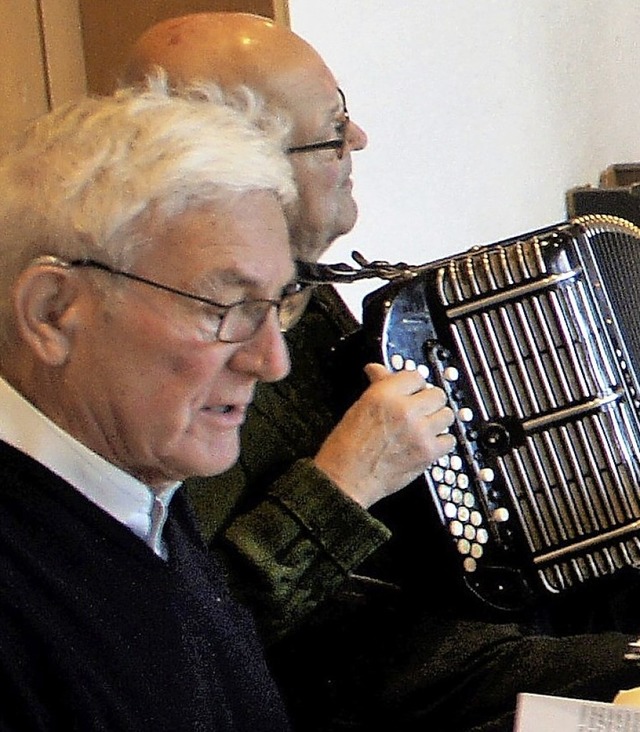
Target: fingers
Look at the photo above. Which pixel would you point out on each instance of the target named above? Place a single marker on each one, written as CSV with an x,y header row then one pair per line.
x,y
416,412
442,442
400,382
386,384
441,419
376,372
388,436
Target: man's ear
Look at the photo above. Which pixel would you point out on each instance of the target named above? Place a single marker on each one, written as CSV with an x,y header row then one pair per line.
x,y
44,299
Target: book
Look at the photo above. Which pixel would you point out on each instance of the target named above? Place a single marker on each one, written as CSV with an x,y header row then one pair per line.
x,y
541,713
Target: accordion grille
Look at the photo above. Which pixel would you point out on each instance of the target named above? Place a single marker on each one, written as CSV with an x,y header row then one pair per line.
x,y
538,347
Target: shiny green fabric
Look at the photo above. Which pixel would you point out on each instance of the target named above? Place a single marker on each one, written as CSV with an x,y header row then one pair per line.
x,y
290,536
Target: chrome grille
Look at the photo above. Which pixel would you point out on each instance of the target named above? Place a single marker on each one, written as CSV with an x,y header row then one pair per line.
x,y
533,328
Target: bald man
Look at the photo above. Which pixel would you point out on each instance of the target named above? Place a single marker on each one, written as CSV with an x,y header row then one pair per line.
x,y
301,520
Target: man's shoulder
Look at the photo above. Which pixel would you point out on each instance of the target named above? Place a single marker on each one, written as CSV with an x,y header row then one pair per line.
x,y
328,301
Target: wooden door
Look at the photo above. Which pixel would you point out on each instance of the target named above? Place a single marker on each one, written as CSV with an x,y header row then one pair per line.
x,y
23,89
42,60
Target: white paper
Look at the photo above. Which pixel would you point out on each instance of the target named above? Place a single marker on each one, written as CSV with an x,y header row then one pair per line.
x,y
540,713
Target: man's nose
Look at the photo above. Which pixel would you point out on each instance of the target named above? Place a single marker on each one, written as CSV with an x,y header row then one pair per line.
x,y
356,136
265,355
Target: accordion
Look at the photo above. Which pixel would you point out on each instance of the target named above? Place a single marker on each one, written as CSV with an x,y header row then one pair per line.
x,y
536,342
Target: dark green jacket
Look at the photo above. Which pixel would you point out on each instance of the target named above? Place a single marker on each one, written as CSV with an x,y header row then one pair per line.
x,y
290,535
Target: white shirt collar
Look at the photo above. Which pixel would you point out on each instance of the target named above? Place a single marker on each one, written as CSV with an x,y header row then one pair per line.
x,y
122,496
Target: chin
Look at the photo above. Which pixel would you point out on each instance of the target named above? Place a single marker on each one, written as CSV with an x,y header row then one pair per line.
x,y
213,460
348,219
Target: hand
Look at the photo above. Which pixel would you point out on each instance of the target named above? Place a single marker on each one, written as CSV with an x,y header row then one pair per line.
x,y
388,437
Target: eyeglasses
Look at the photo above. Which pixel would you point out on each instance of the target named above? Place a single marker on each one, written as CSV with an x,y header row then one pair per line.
x,y
236,323
338,144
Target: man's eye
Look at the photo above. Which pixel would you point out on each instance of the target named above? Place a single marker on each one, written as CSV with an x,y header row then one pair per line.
x,y
212,313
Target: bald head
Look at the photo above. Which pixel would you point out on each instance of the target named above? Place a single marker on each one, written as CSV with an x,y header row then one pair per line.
x,y
233,49
230,49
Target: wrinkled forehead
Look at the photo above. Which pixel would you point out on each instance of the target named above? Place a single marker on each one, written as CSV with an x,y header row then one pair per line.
x,y
307,96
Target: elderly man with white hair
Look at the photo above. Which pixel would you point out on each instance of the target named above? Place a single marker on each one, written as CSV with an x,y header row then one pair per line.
x,y
145,279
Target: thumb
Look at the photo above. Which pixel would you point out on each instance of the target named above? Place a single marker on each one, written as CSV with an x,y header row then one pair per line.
x,y
376,372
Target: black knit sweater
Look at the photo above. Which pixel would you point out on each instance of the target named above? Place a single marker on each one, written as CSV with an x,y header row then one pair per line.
x,y
98,633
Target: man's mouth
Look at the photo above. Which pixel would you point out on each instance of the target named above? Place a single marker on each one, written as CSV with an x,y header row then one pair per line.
x,y
226,408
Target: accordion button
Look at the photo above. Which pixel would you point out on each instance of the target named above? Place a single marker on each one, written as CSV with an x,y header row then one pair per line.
x,y
437,473
397,362
486,475
410,364
462,481
476,518
449,477
469,532
469,500
444,492
465,414
500,515
456,528
482,537
456,495
451,373
464,547
463,514
476,551
423,371
456,462
450,510
469,564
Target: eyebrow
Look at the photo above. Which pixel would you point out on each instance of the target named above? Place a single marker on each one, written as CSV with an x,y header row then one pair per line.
x,y
338,108
232,278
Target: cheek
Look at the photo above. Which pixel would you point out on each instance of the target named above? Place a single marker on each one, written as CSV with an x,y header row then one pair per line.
x,y
331,178
161,367
317,182
190,367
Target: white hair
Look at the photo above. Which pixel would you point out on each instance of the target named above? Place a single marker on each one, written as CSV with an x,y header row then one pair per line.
x,y
82,180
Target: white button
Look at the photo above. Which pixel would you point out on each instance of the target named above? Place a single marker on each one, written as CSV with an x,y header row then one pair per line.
x,y
462,481
476,551
482,536
423,371
397,362
469,564
463,546
437,473
500,515
456,462
456,528
469,500
456,495
465,414
486,475
444,492
463,514
410,364
449,477
451,373
469,532
476,518
450,511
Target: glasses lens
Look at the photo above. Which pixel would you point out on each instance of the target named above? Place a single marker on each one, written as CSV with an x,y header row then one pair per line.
x,y
241,321
292,308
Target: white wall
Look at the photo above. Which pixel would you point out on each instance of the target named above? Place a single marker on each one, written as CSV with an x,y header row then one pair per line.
x,y
480,113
